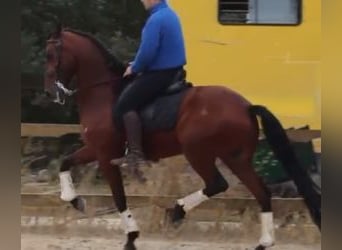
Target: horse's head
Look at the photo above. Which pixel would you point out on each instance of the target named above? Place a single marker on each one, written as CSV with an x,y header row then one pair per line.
x,y
59,67
72,53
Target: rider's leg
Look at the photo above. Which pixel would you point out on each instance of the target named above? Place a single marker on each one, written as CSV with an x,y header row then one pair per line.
x,y
144,89
133,129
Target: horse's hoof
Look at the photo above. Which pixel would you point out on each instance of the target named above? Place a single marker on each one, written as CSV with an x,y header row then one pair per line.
x,y
260,247
176,215
79,204
131,237
130,246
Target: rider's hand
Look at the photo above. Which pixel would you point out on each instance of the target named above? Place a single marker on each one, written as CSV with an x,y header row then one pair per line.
x,y
128,71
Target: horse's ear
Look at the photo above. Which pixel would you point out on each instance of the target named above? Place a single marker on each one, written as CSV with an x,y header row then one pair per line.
x,y
58,30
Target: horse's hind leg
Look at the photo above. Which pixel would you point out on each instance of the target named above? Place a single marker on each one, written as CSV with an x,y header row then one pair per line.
x,y
242,167
204,165
82,156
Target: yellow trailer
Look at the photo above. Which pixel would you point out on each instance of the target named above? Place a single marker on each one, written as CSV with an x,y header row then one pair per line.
x,y
267,50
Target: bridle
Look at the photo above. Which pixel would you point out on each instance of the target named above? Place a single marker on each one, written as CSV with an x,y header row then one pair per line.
x,y
58,44
59,84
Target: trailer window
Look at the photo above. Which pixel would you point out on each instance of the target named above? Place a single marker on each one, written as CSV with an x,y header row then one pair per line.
x,y
272,12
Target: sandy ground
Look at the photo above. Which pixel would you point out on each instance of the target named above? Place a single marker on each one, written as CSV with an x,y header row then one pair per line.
x,y
173,179
49,242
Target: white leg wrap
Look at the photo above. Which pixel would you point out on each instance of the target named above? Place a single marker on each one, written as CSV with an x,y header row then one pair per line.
x,y
128,222
68,192
267,229
192,200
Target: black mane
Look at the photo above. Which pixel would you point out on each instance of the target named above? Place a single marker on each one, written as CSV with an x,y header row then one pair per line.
x,y
113,63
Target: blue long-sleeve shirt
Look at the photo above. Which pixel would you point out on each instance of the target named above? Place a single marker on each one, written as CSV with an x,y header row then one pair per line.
x,y
162,44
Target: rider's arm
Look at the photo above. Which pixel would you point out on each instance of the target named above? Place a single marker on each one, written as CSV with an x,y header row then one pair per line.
x,y
149,45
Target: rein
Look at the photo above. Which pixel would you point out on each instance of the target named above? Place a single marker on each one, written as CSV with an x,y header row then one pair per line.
x,y
70,92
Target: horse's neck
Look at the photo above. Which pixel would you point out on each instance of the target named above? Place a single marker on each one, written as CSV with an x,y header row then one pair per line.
x,y
92,69
95,104
96,88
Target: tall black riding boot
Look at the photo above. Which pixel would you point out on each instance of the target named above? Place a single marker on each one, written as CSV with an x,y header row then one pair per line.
x,y
135,158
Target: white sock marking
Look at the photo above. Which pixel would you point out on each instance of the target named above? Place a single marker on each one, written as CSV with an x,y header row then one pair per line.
x,y
267,229
68,192
192,200
128,222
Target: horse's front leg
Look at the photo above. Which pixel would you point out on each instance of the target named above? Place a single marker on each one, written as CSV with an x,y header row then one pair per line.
x,y
114,178
82,156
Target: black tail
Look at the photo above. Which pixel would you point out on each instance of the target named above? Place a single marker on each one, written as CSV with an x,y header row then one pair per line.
x,y
279,142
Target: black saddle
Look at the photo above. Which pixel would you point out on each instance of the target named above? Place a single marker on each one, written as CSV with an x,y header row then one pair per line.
x,y
162,113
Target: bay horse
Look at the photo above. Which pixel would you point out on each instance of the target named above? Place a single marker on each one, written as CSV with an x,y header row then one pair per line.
x,y
212,122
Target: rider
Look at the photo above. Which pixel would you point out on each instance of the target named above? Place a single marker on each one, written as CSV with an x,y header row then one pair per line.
x,y
160,57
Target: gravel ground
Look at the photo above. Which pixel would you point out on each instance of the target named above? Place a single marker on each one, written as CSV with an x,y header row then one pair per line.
x,y
50,242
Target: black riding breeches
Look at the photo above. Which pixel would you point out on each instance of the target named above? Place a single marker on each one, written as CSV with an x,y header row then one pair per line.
x,y
144,89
